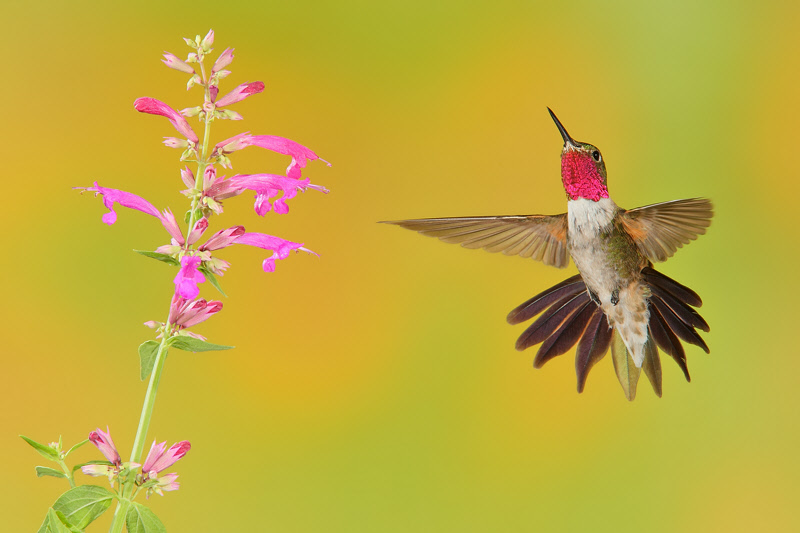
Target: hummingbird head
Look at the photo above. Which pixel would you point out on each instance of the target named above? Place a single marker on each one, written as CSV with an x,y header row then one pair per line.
x,y
583,169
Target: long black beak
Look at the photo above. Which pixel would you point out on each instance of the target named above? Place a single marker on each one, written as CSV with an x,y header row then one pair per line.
x,y
567,139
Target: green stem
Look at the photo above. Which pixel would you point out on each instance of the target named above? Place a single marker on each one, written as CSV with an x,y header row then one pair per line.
x,y
68,473
141,434
119,516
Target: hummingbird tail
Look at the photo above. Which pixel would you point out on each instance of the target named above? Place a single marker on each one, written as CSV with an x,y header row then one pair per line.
x,y
569,316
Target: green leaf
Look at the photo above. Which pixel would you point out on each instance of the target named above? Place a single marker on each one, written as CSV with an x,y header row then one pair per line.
x,y
147,358
53,524
45,451
77,467
47,471
141,519
212,279
190,344
81,443
159,256
627,372
82,505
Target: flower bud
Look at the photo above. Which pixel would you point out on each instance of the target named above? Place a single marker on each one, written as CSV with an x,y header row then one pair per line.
x,y
174,62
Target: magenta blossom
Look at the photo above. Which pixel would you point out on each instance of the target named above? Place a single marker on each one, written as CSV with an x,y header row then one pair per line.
x,y
106,446
223,60
300,154
158,459
185,313
125,199
240,93
222,238
188,277
167,482
173,61
267,187
156,107
280,247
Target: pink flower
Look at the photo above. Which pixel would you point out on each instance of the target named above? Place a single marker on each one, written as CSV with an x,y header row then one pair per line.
x,y
174,62
105,445
185,313
188,277
199,228
156,107
125,199
240,93
223,60
171,225
98,470
208,40
158,459
300,154
222,239
280,247
188,177
164,483
267,186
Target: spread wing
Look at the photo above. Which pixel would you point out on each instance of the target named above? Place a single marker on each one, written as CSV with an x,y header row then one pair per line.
x,y
660,229
540,237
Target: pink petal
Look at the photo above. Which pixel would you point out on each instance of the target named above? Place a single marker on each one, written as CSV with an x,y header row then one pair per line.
x,y
188,277
171,225
125,199
106,446
223,60
280,247
174,62
156,107
240,93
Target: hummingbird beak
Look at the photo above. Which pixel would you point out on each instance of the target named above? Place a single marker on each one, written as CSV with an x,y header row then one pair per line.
x,y
568,141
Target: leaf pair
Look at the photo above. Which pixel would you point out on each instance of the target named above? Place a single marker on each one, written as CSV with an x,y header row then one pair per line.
x,y
148,351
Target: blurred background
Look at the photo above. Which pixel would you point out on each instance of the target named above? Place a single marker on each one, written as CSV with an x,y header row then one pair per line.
x,y
376,388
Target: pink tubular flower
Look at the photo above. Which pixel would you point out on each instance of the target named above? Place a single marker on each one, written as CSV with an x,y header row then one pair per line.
x,y
267,187
125,199
280,247
156,107
178,64
240,93
300,154
222,239
188,277
223,60
184,313
167,482
106,446
158,459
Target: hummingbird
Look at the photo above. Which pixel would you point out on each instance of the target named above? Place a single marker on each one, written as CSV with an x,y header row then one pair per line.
x,y
617,299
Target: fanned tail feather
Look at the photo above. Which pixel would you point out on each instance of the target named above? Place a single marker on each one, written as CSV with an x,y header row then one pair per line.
x,y
567,316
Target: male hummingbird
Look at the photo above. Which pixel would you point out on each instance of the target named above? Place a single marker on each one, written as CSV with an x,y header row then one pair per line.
x,y
617,298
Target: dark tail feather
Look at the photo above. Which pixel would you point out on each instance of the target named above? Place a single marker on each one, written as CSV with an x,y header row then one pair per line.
x,y
681,292
593,346
538,303
567,335
551,319
667,341
672,317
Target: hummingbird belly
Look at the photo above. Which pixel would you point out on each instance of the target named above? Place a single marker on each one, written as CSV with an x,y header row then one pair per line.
x,y
610,265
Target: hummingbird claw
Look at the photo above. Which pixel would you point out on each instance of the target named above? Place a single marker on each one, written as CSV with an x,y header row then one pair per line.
x,y
615,297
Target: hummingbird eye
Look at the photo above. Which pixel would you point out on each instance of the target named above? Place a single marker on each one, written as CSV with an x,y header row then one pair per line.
x,y
596,156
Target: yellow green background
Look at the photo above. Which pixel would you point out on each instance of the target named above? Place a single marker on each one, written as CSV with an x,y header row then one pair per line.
x,y
376,388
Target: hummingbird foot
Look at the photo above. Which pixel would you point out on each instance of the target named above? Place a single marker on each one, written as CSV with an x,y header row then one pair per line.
x,y
615,297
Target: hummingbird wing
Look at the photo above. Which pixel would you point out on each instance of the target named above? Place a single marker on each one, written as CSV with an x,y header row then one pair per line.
x,y
660,229
540,237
